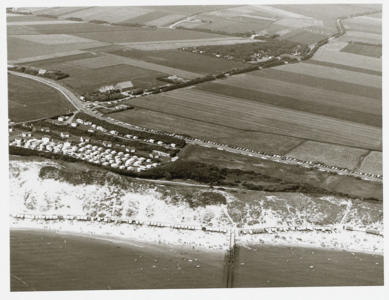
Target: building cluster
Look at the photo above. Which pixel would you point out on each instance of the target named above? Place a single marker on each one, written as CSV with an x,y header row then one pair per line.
x,y
88,152
117,221
285,229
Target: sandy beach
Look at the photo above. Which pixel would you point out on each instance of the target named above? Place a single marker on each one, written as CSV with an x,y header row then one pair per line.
x,y
199,239
354,241
195,239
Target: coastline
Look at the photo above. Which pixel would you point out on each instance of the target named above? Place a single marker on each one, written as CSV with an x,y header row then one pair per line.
x,y
350,241
130,234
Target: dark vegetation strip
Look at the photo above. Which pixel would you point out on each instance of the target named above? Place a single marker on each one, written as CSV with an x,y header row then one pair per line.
x,y
56,75
292,103
193,170
322,83
123,131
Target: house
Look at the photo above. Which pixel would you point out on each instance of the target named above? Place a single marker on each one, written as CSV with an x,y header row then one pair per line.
x,y
124,86
73,124
41,71
84,139
113,132
160,143
26,134
91,130
67,144
107,144
173,145
65,134
10,129
80,121
46,138
45,129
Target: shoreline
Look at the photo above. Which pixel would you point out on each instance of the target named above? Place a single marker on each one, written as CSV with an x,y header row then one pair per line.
x,y
350,241
131,234
205,241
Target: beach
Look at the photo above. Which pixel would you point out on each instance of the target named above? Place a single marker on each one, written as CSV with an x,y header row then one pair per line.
x,y
192,239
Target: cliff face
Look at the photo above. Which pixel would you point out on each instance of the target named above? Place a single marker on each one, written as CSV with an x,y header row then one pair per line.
x,y
47,187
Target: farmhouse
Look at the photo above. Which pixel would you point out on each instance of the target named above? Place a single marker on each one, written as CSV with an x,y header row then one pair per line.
x,y
107,144
65,134
84,139
26,134
42,71
61,119
73,124
45,129
124,86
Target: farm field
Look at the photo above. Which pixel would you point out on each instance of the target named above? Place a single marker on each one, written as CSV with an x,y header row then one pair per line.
x,y
328,13
86,80
146,35
333,155
347,81
22,48
348,59
286,172
293,103
303,36
108,60
28,18
343,67
303,92
356,36
34,101
179,59
371,51
130,14
364,24
372,163
254,116
173,45
172,122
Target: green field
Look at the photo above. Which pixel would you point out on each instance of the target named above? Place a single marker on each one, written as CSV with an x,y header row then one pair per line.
x,y
312,106
348,59
84,80
31,100
303,36
258,117
372,163
333,155
332,78
178,59
366,50
172,122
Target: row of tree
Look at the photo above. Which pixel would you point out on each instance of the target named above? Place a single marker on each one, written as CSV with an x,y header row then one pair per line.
x,y
56,75
247,51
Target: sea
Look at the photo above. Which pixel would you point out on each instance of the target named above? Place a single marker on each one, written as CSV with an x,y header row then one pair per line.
x,y
48,261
